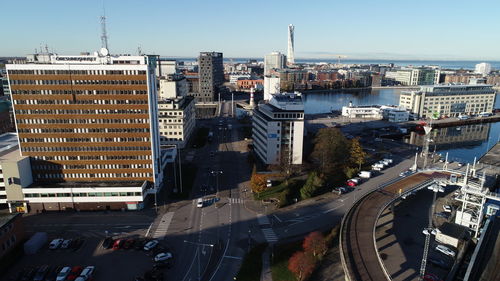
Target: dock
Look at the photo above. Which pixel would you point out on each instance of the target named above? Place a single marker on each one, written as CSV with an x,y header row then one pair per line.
x,y
492,157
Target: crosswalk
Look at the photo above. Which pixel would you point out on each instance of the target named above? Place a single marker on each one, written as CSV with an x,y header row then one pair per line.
x,y
268,232
162,228
213,200
236,201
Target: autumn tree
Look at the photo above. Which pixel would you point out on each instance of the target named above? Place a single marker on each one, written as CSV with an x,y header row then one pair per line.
x,y
257,181
331,151
301,264
356,152
315,243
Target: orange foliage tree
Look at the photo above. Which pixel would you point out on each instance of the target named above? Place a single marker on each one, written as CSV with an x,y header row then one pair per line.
x,y
315,243
301,264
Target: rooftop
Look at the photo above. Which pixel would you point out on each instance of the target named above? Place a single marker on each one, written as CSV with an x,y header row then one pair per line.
x,y
454,230
8,143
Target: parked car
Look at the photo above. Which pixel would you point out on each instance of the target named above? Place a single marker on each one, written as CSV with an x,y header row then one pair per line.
x,y
128,243
339,190
65,244
107,243
76,243
86,273
365,174
74,273
438,263
445,250
61,276
428,231
139,244
118,244
41,273
151,245
199,203
56,243
447,208
162,257
162,264
351,183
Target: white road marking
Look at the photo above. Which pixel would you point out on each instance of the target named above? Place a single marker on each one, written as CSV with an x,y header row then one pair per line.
x,y
232,257
162,228
333,209
276,217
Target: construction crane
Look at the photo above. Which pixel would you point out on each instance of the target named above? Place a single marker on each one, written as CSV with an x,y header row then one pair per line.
x,y
340,57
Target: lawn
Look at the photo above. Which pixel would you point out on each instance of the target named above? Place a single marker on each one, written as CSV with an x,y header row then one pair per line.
x,y
251,268
285,193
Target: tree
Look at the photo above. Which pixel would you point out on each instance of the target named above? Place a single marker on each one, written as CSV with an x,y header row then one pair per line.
x,y
331,149
357,154
257,181
302,265
310,188
315,243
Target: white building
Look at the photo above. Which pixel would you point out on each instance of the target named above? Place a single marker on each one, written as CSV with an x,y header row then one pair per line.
x,y
278,129
173,86
415,76
177,120
235,76
448,100
389,113
274,60
483,68
166,67
271,86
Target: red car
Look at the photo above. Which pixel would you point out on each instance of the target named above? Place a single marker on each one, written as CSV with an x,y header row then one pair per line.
x,y
351,183
118,244
75,272
431,277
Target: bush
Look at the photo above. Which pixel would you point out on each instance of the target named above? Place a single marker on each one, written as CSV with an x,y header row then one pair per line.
x,y
311,187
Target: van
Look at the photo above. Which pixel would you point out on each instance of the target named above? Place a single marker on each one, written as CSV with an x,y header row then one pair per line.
x,y
485,114
463,117
199,203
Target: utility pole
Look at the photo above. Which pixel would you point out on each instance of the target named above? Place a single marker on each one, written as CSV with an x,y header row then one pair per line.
x,y
180,165
232,104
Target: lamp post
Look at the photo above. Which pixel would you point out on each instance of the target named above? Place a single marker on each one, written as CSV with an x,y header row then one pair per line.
x,y
216,174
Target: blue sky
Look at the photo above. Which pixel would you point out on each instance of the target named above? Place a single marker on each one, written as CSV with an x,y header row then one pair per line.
x,y
362,29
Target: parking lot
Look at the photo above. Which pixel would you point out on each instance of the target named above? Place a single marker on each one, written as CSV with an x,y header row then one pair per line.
x,y
110,264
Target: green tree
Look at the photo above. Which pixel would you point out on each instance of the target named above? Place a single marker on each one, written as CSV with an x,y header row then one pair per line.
x,y
312,185
331,149
356,152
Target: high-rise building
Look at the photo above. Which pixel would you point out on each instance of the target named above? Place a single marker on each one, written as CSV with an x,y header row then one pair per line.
x,y
211,73
89,123
271,86
483,68
278,129
291,45
274,60
448,100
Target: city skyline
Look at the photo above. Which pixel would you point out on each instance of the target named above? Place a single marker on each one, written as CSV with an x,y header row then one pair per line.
x,y
359,31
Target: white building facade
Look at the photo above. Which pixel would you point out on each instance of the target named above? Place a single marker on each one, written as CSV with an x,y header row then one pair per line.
x,y
278,129
274,60
173,86
448,100
271,86
177,121
483,68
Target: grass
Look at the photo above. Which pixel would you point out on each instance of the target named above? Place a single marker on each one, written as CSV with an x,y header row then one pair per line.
x,y
279,263
251,267
285,193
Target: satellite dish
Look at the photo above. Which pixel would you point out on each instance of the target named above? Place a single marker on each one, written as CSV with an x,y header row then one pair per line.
x,y
104,51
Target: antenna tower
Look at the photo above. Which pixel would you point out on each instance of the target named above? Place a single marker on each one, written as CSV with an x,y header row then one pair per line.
x,y
104,34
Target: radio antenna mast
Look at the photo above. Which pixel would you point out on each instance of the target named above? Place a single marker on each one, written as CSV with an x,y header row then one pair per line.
x,y
104,34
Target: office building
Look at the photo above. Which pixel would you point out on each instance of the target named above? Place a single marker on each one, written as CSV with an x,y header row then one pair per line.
x,y
415,76
6,124
11,233
448,100
389,113
290,59
166,67
173,86
278,129
483,68
211,73
272,86
274,60
177,120
89,123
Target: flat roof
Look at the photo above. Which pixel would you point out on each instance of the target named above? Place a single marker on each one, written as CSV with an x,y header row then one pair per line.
x,y
454,230
6,218
8,142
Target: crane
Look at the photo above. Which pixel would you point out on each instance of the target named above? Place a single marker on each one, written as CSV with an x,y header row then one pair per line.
x,y
340,57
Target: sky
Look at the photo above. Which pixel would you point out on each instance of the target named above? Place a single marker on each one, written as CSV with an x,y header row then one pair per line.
x,y
361,29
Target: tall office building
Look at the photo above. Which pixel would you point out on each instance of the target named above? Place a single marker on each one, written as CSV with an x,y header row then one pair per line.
x,y
278,129
211,73
89,123
483,68
274,60
291,45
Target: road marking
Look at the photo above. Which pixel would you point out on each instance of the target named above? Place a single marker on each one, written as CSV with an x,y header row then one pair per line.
x,y
149,229
232,257
332,209
269,235
162,228
276,217
262,219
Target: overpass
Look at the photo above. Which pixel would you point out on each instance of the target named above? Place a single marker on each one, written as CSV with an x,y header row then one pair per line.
x,y
358,250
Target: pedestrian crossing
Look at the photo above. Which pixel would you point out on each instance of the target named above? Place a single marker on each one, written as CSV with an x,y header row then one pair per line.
x,y
236,201
263,220
268,232
162,228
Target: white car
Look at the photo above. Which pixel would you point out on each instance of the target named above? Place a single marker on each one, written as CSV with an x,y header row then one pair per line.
x,y
163,257
447,208
199,203
86,273
433,231
150,245
445,250
61,276
65,244
56,243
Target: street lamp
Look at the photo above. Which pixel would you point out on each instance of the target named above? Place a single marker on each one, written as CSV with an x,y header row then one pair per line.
x,y
216,174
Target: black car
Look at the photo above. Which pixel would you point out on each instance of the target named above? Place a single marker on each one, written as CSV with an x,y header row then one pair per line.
x,y
52,274
139,244
108,243
41,273
28,273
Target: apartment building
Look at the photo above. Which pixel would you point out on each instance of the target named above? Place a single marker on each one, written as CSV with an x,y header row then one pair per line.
x,y
415,76
89,124
211,73
177,120
278,129
449,100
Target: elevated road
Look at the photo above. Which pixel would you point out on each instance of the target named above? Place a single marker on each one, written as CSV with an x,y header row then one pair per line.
x,y
358,249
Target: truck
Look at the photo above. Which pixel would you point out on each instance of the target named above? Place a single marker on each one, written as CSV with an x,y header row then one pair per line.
x,y
35,243
365,174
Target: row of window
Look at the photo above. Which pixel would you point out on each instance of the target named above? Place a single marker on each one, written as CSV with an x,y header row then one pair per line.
x,y
64,140
89,149
100,101
83,121
79,92
113,176
78,82
85,130
92,112
82,194
95,157
51,167
78,72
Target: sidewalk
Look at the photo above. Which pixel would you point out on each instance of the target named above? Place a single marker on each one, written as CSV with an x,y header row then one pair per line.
x,y
266,266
